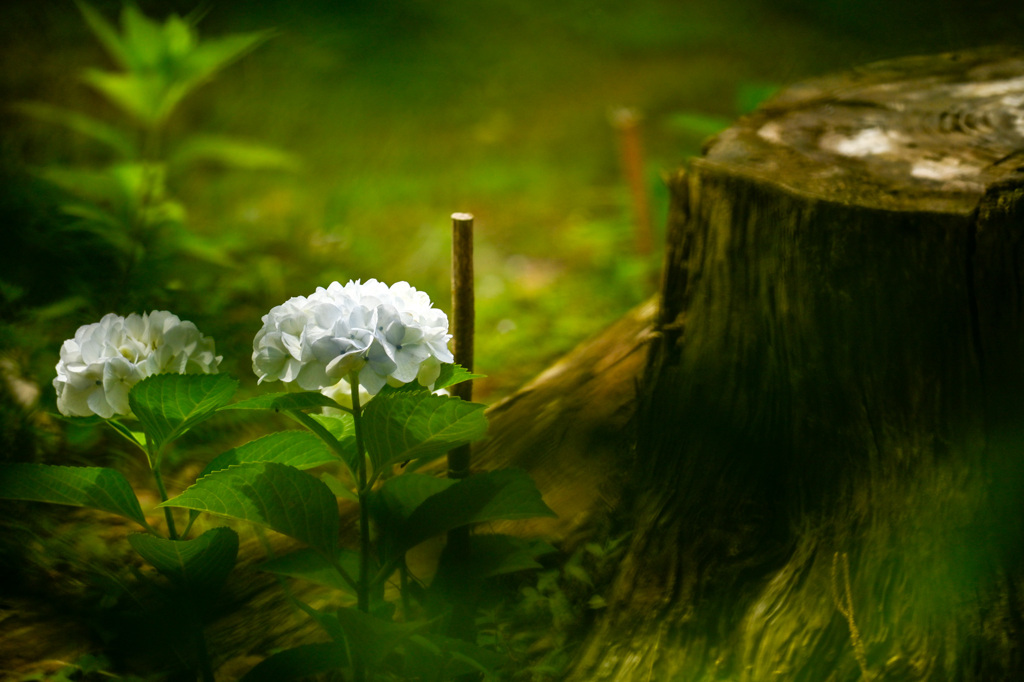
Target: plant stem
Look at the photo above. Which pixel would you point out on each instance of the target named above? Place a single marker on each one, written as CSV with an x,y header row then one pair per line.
x,y
154,463
140,232
364,516
363,588
326,436
205,668
403,576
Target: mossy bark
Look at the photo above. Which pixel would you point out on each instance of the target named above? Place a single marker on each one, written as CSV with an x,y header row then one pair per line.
x,y
831,436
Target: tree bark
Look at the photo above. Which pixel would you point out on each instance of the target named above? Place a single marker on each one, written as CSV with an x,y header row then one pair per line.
x,y
828,473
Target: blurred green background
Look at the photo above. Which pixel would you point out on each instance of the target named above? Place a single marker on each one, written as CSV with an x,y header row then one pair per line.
x,y
400,113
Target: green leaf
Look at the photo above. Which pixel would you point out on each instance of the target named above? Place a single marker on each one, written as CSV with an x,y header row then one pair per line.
x,y
454,657
343,428
489,555
82,124
233,153
212,55
301,662
339,489
750,95
374,637
179,36
102,222
161,91
99,187
138,438
454,374
506,494
168,405
143,38
411,425
268,494
95,487
199,566
299,449
495,554
279,402
578,573
392,504
105,32
401,495
697,124
204,249
143,96
114,197
310,565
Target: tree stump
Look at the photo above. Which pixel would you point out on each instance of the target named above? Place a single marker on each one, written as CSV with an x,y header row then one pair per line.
x,y
828,474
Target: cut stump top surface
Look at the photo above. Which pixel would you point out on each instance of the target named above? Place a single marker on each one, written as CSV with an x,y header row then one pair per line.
x,y
919,133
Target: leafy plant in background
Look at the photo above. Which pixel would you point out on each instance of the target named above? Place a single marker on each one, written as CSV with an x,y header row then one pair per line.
x,y
701,125
126,203
383,352
541,625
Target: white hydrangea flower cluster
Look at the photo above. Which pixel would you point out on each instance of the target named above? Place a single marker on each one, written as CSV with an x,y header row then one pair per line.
x,y
384,334
100,365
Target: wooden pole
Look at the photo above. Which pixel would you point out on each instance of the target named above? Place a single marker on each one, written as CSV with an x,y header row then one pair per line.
x,y
463,321
458,545
627,122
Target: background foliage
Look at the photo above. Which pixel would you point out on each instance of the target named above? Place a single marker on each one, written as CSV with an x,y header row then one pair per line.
x,y
401,113
386,117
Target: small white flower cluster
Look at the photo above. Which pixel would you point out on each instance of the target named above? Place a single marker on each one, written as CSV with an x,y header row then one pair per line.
x,y
384,334
100,365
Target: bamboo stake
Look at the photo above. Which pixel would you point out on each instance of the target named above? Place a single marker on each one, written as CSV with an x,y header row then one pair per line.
x,y
627,121
463,321
463,314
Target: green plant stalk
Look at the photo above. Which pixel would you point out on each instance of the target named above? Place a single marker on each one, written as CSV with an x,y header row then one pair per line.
x,y
125,432
352,582
205,667
403,576
363,589
364,517
141,232
202,653
327,437
154,465
318,429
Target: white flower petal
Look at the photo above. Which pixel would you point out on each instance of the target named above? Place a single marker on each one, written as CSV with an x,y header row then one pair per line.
x,y
99,366
386,334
